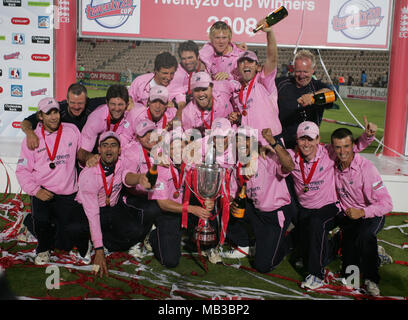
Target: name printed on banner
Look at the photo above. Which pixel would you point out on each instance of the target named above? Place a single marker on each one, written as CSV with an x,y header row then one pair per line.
x,y
244,4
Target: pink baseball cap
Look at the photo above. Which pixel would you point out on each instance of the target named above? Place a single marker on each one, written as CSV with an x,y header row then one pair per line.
x,y
200,80
107,135
247,55
144,126
221,127
46,104
159,93
309,129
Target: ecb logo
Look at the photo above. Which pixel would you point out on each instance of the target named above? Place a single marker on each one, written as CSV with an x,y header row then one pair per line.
x,y
110,14
357,19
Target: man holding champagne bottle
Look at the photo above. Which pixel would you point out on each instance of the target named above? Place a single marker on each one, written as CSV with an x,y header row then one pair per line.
x,y
295,97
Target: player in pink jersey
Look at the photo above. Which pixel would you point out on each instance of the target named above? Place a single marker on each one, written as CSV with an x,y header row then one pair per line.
x,y
110,117
211,100
165,239
220,54
165,66
49,176
139,157
156,110
313,181
189,63
111,224
365,201
257,99
269,209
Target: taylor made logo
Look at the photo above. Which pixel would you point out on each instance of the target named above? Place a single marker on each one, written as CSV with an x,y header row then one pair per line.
x,y
357,19
110,14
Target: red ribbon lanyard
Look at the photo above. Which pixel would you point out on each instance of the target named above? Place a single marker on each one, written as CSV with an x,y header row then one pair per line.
x,y
56,144
149,115
177,182
241,178
307,180
108,191
241,93
147,159
208,126
108,124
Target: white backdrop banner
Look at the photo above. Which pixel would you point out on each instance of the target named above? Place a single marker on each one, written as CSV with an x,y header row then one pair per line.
x,y
26,60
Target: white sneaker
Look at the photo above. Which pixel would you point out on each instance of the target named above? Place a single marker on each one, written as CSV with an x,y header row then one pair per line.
x,y
213,255
42,258
238,253
385,258
137,250
372,288
312,282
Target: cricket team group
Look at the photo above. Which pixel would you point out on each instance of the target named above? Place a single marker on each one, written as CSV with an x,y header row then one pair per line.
x,y
87,163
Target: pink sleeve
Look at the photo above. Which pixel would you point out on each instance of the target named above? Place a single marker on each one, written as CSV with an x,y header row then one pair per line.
x,y
93,126
186,120
268,81
24,171
362,142
380,202
88,196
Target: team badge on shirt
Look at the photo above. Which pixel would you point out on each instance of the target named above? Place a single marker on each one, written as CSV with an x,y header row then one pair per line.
x,y
378,185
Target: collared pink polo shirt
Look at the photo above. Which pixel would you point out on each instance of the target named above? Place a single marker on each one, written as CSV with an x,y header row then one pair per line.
x,y
97,124
165,188
220,63
267,188
140,88
222,92
261,105
360,186
33,170
321,187
92,196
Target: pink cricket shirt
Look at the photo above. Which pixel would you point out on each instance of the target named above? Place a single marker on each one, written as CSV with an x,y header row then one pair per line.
x,y
140,88
97,124
360,186
92,196
267,188
261,106
222,92
322,186
33,169
220,63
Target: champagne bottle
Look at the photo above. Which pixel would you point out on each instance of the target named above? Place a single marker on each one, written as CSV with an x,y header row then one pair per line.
x,y
324,97
151,175
273,18
240,202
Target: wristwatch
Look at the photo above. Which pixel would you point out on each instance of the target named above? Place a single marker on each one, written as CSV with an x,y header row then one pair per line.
x,y
274,145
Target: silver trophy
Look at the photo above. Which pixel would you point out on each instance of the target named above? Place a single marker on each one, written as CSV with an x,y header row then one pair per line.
x,y
208,181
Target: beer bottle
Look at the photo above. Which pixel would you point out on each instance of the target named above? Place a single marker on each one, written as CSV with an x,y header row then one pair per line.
x,y
151,175
273,18
240,202
324,97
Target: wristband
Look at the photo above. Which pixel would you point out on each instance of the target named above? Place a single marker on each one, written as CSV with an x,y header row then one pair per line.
x,y
274,145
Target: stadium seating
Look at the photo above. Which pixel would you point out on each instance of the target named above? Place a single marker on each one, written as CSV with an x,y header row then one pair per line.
x,y
138,57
